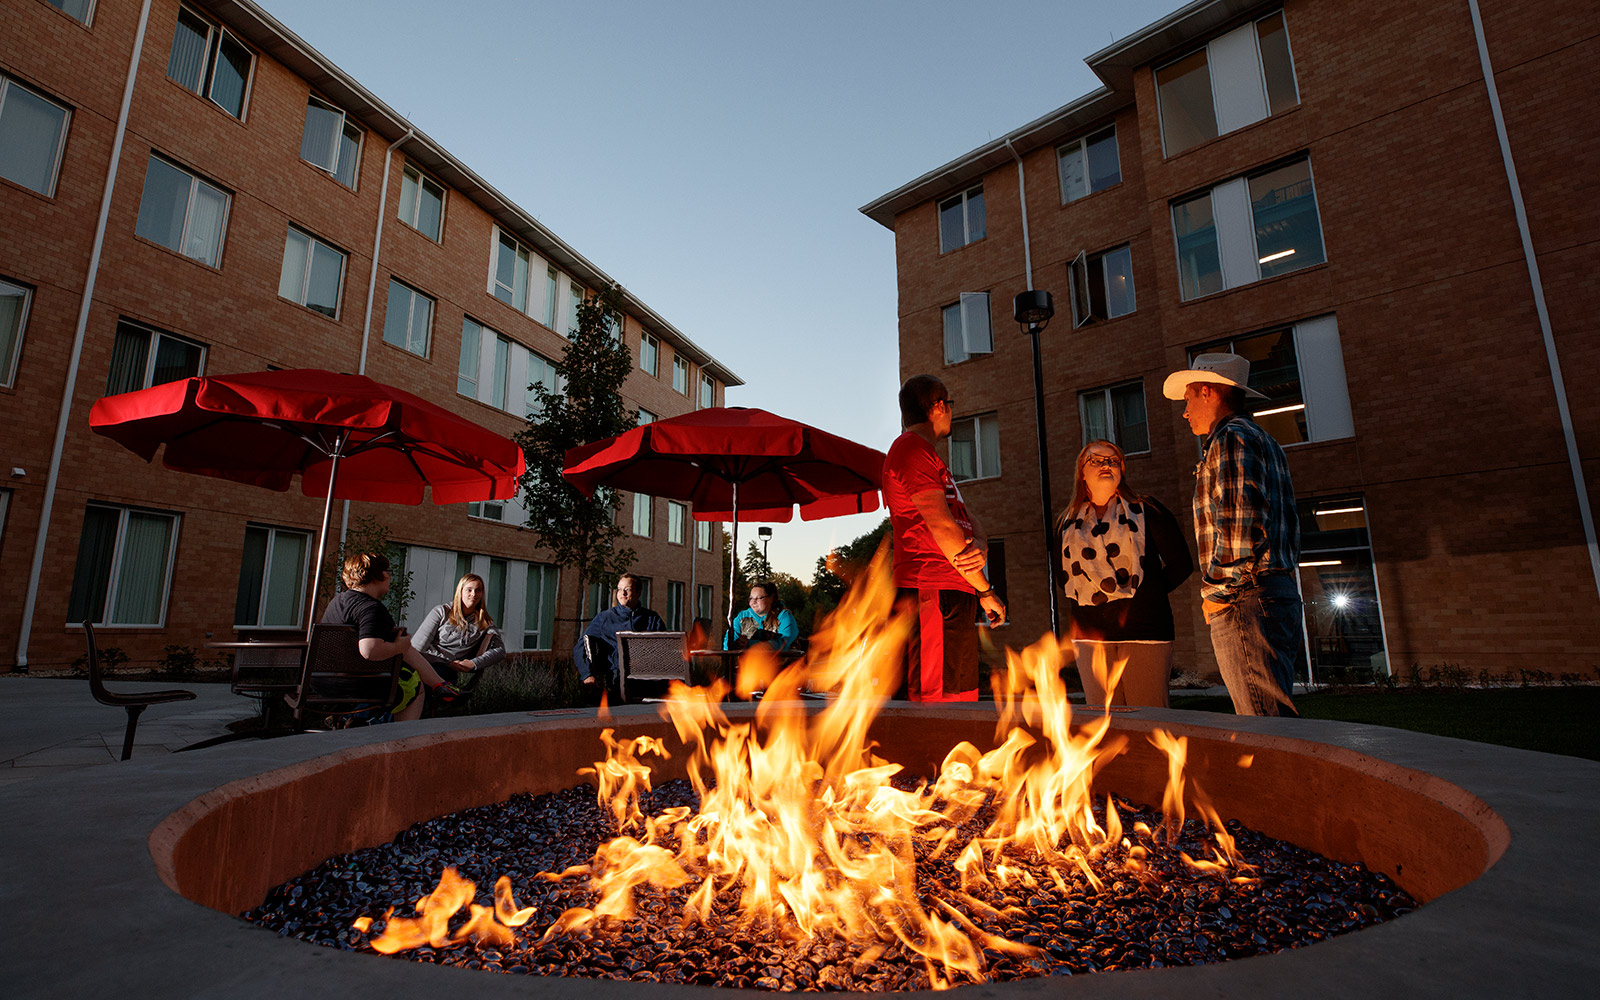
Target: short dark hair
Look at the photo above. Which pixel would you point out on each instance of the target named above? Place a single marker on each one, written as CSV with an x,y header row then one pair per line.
x,y
918,397
626,576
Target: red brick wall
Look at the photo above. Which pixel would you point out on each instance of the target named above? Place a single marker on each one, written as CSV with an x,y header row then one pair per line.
x,y
234,309
1458,445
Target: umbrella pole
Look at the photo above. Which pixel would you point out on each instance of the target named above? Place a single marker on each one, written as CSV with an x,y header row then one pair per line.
x,y
733,562
322,536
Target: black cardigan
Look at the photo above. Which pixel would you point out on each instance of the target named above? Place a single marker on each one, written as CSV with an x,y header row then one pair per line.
x,y
1147,615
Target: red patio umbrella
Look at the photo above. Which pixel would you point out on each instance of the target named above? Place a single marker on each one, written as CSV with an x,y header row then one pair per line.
x,y
370,441
735,464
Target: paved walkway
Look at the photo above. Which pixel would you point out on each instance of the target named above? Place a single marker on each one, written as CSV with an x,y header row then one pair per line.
x,y
51,725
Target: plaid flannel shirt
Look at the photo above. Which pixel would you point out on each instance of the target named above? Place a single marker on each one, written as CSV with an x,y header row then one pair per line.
x,y
1244,510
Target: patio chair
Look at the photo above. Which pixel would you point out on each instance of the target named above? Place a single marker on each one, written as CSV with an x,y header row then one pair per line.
x,y
134,703
650,656
268,672
337,680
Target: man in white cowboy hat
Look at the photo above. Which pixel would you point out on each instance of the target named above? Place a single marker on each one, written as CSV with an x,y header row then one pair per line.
x,y
1249,536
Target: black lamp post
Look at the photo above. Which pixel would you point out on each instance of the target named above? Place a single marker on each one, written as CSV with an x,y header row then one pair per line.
x,y
766,539
1033,310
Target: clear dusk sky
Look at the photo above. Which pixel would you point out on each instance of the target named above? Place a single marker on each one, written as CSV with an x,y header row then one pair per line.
x,y
712,156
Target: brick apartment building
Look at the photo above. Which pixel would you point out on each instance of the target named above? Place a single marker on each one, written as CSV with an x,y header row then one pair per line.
x,y
1318,185
189,188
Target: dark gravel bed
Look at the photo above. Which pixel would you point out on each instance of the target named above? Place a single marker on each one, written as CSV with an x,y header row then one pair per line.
x,y
1168,915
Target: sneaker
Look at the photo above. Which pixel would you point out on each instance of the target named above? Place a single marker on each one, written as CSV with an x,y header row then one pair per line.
x,y
447,693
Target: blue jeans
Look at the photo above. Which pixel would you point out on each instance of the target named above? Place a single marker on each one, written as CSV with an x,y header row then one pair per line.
x,y
1259,640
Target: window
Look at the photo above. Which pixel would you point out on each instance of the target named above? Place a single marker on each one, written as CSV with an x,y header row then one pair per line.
x,y
498,381
1116,414
975,447
961,219
966,328
642,587
488,510
680,374
1102,285
207,59
646,417
1088,165
708,392
1300,369
471,348
603,593
1247,229
649,353
182,212
81,10
331,141
677,514
539,609
408,318
1344,614
702,535
641,515
142,356
33,130
511,273
1238,79
124,566
574,300
702,601
421,203
495,584
313,273
271,578
541,371
14,302
674,609
550,287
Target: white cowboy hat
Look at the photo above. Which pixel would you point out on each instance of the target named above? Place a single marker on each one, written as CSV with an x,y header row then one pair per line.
x,y
1221,369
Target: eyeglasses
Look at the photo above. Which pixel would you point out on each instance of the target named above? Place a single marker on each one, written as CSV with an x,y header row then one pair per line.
x,y
758,597
1111,461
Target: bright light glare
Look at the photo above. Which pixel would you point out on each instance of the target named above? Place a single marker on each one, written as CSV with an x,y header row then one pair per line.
x,y
1281,409
1324,562
1341,510
1341,601
1275,256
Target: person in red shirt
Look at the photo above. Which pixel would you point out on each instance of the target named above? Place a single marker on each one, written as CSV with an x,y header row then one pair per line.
x,y
940,551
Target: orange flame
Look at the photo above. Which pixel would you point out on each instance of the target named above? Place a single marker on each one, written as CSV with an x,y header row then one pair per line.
x,y
802,827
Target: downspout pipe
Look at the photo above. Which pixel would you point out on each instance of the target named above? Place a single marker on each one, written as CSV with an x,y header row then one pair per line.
x,y
1022,199
1585,515
36,570
366,323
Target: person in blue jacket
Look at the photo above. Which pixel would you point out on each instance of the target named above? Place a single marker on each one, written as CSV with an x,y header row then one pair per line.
x,y
765,620
625,616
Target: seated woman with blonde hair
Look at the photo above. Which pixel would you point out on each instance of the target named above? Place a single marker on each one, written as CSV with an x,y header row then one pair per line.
x,y
1121,553
461,637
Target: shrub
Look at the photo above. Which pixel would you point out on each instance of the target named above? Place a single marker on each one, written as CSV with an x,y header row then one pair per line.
x,y
527,682
111,657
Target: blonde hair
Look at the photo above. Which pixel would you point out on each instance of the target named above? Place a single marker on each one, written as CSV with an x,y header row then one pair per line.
x,y
1080,488
362,568
480,618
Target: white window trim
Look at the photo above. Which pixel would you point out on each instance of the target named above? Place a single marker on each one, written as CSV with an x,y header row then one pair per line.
x,y
215,32
965,198
1248,221
682,510
188,214
1255,35
548,641
645,337
411,311
1328,414
116,565
423,177
1081,146
966,332
305,274
146,380
476,508
6,83
707,383
648,509
8,374
266,579
977,446
680,363
552,288
1082,313
499,235
1104,392
88,15
338,145
708,533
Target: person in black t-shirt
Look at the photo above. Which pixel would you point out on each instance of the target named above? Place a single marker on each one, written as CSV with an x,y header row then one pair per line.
x,y
366,579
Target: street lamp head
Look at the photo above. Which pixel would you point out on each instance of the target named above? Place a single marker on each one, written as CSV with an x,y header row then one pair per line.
x,y
764,531
1033,309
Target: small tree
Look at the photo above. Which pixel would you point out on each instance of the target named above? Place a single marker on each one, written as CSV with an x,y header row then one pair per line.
x,y
838,568
368,534
580,532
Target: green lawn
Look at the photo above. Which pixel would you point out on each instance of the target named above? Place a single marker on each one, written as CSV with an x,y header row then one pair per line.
x,y
1552,720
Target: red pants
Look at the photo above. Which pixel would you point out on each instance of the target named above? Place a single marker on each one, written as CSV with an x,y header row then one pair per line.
x,y
942,650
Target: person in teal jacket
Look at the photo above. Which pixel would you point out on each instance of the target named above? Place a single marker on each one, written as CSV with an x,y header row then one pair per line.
x,y
765,620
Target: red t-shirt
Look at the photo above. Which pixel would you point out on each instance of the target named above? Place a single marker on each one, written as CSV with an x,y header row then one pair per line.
x,y
913,467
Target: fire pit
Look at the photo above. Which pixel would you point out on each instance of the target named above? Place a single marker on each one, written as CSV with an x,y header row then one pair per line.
x,y
1499,843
